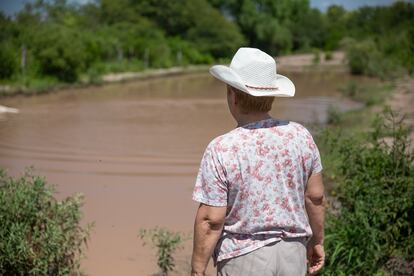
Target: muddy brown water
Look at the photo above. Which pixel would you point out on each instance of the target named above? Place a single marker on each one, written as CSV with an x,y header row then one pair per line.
x,y
133,150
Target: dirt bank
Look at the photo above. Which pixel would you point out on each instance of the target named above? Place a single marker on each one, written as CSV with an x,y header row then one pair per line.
x,y
13,90
156,73
402,101
303,62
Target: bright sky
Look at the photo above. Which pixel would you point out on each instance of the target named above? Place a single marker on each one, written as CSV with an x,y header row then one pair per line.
x,y
351,4
12,6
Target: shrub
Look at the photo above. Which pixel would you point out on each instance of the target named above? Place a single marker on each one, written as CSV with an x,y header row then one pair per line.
x,y
369,94
39,235
375,188
189,53
166,242
195,21
366,58
61,52
333,116
361,55
350,90
328,55
316,57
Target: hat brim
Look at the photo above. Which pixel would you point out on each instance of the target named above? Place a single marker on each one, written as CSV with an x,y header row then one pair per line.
x,y
285,87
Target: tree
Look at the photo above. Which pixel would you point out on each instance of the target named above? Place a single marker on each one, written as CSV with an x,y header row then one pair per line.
x,y
61,52
336,16
196,21
8,61
276,26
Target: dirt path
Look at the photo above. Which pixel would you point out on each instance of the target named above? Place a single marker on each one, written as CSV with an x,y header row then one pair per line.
x,y
402,101
154,73
302,62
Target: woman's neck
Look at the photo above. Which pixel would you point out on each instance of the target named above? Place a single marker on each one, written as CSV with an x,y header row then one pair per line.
x,y
244,119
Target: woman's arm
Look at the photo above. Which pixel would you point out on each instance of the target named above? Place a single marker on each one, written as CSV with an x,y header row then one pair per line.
x,y
208,226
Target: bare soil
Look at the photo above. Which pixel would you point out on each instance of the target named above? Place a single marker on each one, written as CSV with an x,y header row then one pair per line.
x,y
304,62
402,101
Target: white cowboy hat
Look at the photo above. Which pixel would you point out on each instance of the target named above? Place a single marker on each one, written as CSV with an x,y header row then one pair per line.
x,y
254,72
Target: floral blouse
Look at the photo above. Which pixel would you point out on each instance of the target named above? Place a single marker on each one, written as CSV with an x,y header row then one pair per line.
x,y
259,171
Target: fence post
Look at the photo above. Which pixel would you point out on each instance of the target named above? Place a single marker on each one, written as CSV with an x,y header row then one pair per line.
x,y
119,52
179,57
23,60
146,58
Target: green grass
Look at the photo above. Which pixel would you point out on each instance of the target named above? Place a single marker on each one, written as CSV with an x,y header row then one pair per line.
x,y
369,94
372,95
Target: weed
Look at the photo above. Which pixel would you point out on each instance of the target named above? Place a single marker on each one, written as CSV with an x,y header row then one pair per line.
x,y
369,94
166,242
328,55
334,116
316,57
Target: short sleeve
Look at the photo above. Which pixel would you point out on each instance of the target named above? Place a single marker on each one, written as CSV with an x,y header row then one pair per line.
x,y
316,163
211,185
316,166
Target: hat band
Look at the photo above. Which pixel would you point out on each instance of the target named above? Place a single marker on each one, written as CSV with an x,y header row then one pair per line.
x,y
262,88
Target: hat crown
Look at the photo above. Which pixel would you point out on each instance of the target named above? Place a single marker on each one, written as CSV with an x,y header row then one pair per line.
x,y
254,66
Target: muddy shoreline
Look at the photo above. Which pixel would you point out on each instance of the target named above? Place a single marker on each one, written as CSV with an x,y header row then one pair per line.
x,y
402,101
7,91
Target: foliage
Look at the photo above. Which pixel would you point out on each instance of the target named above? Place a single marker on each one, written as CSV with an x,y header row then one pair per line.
x,y
39,235
67,41
334,116
166,242
383,35
316,57
195,21
328,55
277,26
375,186
8,61
364,58
61,52
385,38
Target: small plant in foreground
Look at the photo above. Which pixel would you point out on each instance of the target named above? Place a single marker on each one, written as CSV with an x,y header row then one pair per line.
x,y
333,116
39,235
316,57
166,242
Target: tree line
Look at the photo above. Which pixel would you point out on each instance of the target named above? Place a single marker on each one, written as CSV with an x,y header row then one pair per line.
x,y
60,40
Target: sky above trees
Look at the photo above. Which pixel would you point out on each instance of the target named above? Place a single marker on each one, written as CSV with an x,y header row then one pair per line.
x,y
350,4
12,6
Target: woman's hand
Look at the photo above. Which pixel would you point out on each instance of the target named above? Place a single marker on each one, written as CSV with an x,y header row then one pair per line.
x,y
193,273
316,257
